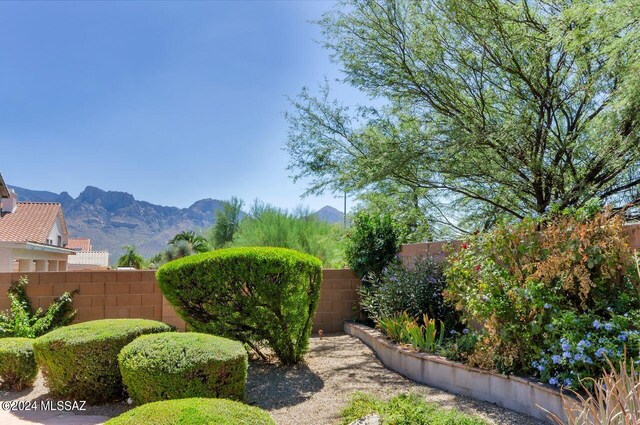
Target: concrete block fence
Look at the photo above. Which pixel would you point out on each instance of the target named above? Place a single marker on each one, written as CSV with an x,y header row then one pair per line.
x,y
135,294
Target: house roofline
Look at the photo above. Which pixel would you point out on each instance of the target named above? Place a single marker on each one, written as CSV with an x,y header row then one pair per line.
x,y
36,246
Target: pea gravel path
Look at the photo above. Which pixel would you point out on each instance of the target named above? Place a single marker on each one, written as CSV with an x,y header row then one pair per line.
x,y
311,393
337,365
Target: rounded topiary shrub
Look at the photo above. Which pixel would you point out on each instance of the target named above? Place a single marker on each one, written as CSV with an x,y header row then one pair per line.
x,y
81,361
183,365
18,367
254,295
194,411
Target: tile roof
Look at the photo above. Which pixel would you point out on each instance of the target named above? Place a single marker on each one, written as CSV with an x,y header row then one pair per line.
x,y
4,190
31,222
79,244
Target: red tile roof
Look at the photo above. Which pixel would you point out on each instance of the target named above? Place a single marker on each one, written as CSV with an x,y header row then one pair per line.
x,y
79,244
31,222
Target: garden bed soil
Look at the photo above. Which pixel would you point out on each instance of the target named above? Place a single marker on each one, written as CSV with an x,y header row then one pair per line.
x,y
309,393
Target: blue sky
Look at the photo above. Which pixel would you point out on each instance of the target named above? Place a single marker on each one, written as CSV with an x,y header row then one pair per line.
x,y
170,101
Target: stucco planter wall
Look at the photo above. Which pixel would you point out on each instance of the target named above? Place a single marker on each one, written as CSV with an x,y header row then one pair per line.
x,y
512,392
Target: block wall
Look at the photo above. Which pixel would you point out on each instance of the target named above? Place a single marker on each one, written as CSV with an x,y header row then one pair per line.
x,y
136,294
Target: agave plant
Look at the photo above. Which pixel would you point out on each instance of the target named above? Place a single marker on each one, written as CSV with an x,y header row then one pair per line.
x,y
614,399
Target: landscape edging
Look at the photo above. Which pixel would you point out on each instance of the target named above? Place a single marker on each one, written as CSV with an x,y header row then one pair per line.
x,y
511,392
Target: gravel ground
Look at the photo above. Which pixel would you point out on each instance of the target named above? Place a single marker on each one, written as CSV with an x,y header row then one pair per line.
x,y
314,392
309,393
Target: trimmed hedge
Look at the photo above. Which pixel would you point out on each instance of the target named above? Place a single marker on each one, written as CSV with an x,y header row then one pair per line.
x,y
18,367
81,361
194,411
183,365
254,295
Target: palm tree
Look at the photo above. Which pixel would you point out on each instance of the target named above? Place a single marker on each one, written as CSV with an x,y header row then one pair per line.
x,y
131,258
198,243
227,221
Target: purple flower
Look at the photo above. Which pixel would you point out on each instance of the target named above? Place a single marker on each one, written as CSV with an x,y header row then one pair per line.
x,y
567,382
556,359
608,326
600,352
583,343
547,306
566,346
566,354
596,324
553,381
465,331
622,336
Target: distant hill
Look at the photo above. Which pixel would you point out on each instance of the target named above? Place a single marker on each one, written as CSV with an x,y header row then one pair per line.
x,y
330,215
114,219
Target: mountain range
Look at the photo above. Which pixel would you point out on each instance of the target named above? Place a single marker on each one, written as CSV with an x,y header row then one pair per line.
x,y
115,219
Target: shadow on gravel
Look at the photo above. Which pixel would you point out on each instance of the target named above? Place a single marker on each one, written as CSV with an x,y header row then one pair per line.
x,y
272,386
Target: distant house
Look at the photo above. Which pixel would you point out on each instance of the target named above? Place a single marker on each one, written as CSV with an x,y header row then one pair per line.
x,y
86,258
33,235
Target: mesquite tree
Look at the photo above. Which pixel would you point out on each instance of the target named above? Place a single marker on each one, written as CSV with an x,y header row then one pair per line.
x,y
500,107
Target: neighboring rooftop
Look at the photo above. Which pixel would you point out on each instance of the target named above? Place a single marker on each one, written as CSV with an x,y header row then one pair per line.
x,y
4,190
79,244
31,222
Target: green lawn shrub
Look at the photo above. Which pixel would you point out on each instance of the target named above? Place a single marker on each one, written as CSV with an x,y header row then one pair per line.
x,y
404,409
18,367
183,365
81,361
254,295
194,411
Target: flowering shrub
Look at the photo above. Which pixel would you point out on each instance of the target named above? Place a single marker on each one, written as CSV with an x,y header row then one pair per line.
x,y
416,291
581,346
516,279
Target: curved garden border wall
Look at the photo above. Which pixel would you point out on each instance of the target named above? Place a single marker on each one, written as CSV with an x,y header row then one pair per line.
x,y
511,392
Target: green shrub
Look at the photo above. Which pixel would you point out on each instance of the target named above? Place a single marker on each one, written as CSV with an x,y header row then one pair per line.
x,y
183,365
404,409
18,367
372,243
401,328
516,279
253,295
194,411
417,290
81,361
21,320
301,230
